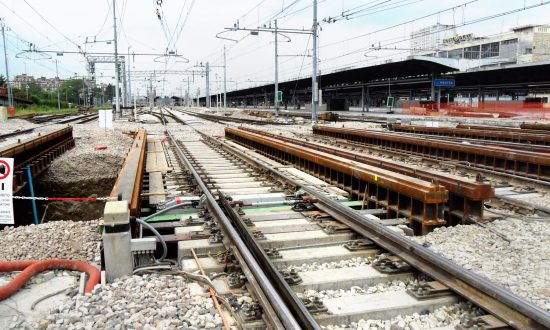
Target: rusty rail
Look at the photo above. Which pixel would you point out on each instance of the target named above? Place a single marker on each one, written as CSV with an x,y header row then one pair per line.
x,y
221,119
130,178
511,309
500,128
472,133
38,152
512,146
465,197
421,202
535,126
522,163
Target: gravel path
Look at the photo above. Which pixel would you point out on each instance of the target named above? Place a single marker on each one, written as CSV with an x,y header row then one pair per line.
x,y
521,265
138,302
52,240
84,162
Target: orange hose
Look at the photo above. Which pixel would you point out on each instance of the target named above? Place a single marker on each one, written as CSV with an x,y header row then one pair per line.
x,y
212,293
32,267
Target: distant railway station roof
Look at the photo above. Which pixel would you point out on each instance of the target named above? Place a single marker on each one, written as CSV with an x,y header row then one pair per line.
x,y
412,67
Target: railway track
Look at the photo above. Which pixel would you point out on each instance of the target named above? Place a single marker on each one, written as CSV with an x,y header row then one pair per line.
x,y
78,119
222,119
37,153
465,131
289,222
512,190
523,165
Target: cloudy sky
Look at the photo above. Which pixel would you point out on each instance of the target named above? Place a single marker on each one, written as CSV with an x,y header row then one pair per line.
x,y
189,28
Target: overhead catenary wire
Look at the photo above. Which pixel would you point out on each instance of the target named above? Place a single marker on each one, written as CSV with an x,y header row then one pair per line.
x,y
474,21
52,26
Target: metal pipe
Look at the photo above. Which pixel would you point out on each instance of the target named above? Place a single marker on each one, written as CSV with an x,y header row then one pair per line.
x,y
117,76
314,95
31,189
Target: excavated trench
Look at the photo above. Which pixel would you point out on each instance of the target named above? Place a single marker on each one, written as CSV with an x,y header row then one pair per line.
x,y
74,210
78,175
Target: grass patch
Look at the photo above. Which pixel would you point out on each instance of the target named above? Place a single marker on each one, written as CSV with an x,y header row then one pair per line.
x,y
41,110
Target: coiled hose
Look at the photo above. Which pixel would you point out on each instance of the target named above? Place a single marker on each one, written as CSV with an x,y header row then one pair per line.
x,y
32,267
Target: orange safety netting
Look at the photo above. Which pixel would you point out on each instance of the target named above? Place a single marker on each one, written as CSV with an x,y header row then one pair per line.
x,y
505,109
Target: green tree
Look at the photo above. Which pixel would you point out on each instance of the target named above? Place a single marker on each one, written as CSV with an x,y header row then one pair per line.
x,y
109,93
70,90
34,89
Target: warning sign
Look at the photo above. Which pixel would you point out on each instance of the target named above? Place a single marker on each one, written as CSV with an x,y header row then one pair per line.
x,y
6,191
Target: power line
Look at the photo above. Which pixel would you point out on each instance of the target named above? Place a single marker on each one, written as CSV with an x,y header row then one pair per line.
x,y
396,25
474,21
50,24
26,22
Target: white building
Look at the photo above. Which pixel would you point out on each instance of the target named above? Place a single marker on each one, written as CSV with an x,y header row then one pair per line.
x,y
523,44
431,37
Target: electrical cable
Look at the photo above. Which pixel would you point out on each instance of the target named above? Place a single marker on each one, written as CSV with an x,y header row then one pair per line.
x,y
478,20
156,233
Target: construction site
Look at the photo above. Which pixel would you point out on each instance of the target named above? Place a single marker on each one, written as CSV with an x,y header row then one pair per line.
x,y
156,189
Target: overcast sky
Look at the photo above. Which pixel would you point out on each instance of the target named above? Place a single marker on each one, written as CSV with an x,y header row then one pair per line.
x,y
63,25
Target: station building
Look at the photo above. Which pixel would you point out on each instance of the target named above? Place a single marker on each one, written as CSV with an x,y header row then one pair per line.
x,y
524,44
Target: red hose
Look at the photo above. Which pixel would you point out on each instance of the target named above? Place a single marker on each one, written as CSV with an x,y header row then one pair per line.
x,y
33,267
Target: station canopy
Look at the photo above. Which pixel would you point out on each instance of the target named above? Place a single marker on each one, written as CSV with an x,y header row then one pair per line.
x,y
414,66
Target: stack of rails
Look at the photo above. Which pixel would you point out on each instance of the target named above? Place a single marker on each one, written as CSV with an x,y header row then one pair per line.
x,y
519,163
465,197
471,132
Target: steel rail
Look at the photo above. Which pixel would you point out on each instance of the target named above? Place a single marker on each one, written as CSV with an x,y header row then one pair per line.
x,y
471,194
501,129
527,163
30,130
511,309
220,119
129,182
505,145
303,316
284,314
477,134
458,164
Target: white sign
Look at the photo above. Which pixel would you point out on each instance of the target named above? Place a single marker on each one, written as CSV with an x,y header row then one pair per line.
x,y
106,118
432,124
6,191
458,38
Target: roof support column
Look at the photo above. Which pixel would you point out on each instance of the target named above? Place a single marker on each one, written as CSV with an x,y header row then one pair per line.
x,y
432,90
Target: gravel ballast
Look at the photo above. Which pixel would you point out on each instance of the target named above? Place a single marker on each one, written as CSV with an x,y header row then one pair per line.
x,y
521,265
139,302
447,316
52,240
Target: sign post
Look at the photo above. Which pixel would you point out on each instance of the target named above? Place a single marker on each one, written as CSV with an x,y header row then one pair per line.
x,y
449,83
390,102
6,191
106,119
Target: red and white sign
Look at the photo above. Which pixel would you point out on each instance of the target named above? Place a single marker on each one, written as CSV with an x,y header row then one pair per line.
x,y
6,191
